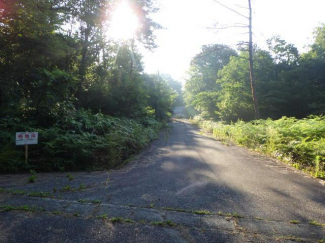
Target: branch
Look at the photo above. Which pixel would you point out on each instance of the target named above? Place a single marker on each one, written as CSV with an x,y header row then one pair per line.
x,y
227,27
241,6
231,9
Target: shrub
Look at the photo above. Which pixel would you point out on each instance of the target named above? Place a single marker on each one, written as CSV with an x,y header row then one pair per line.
x,y
79,140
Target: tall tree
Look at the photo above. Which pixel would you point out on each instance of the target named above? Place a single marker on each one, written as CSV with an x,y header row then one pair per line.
x,y
250,50
202,78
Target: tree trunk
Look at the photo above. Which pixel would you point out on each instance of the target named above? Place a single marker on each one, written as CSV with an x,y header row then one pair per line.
x,y
83,62
251,71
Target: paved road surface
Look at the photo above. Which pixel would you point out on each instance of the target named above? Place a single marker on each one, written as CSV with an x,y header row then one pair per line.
x,y
186,187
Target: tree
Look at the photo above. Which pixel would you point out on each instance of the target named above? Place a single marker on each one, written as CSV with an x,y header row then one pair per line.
x,y
176,86
318,48
31,48
250,51
234,101
203,74
160,96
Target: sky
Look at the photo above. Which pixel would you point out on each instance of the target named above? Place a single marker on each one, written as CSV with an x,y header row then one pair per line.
x,y
189,24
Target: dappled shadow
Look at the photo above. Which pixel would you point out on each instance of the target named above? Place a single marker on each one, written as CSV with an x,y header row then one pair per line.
x,y
198,172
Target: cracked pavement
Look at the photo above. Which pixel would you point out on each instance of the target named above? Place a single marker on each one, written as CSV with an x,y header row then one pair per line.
x,y
185,187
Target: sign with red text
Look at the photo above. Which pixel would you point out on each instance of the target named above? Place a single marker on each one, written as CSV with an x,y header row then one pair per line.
x,y
25,138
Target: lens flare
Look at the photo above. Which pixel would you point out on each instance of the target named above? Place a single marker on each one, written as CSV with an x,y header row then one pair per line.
x,y
124,23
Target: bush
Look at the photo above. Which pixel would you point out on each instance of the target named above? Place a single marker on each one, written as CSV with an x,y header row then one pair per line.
x,y
80,140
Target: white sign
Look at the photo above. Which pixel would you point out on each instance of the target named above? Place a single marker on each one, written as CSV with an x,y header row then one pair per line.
x,y
23,138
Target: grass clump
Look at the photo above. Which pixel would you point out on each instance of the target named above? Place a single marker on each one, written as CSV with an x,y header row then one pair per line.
x,y
129,221
70,177
151,205
158,223
96,201
175,209
7,208
71,189
40,194
82,201
170,223
116,220
314,222
66,189
32,177
89,201
102,216
294,222
236,215
202,212
163,223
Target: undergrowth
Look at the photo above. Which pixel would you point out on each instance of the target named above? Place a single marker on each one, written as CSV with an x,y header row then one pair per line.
x,y
300,142
80,140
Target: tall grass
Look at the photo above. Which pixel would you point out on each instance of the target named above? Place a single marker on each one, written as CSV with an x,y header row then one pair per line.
x,y
300,142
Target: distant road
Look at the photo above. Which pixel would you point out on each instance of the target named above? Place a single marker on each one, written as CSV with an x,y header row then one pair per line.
x,y
179,111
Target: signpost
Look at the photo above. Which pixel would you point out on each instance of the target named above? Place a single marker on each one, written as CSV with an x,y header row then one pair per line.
x,y
26,138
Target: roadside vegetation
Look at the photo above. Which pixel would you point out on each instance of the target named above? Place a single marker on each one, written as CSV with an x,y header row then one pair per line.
x,y
299,142
85,94
79,141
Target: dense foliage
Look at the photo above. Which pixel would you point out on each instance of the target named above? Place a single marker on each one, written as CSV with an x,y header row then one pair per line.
x,y
79,141
300,142
85,94
287,83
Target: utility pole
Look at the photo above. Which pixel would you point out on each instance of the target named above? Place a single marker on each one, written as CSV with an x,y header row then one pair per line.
x,y
250,50
251,66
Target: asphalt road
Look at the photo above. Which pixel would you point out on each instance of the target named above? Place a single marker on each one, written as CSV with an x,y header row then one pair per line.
x,y
185,187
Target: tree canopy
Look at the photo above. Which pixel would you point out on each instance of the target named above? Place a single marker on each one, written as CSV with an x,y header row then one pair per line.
x,y
287,83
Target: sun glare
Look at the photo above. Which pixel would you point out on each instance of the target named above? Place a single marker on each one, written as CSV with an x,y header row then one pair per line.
x,y
124,23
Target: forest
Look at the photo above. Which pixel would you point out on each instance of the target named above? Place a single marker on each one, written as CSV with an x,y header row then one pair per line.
x,y
86,95
290,88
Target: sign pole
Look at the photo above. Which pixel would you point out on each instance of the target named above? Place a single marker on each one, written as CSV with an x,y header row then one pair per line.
x,y
26,153
26,138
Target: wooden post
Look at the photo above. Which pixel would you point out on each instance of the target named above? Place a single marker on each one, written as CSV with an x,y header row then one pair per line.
x,y
26,153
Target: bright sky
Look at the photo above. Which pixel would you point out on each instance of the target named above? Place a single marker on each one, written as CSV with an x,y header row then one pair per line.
x,y
186,28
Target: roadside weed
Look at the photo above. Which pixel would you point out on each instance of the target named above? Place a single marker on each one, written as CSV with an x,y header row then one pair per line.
x,y
70,177
116,220
294,222
102,216
32,177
